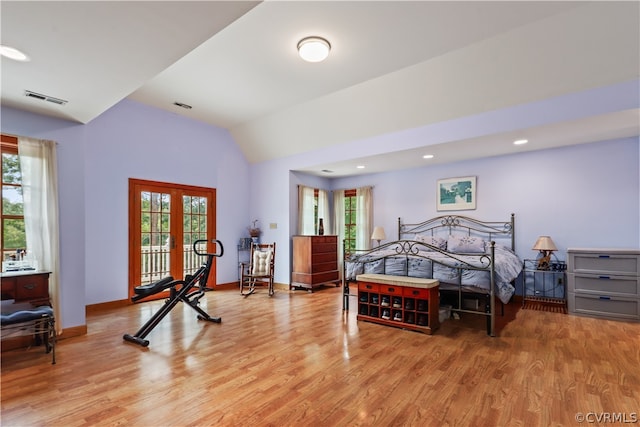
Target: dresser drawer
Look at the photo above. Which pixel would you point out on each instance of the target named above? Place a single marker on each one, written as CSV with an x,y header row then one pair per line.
x,y
325,257
8,287
416,293
604,306
601,283
32,287
391,290
603,262
322,267
325,239
368,287
319,248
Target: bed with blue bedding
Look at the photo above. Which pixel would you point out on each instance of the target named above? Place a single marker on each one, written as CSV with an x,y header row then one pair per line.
x,y
473,260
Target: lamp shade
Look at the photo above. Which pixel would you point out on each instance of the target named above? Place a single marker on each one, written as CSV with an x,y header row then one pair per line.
x,y
544,243
378,234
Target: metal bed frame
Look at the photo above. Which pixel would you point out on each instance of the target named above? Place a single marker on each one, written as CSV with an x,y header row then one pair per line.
x,y
450,224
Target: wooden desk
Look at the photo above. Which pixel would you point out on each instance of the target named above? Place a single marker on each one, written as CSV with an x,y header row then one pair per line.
x,y
26,286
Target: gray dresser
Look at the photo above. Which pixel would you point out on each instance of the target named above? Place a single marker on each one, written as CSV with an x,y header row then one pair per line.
x,y
604,282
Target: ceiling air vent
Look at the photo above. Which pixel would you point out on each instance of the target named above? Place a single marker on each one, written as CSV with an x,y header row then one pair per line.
x,y
42,97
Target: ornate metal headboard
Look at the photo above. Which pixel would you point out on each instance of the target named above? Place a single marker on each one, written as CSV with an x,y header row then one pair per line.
x,y
455,224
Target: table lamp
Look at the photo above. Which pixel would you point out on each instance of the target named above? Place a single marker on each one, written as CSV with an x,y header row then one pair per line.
x,y
545,245
378,234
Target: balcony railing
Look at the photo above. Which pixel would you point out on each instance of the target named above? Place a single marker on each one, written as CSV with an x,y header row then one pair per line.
x,y
155,262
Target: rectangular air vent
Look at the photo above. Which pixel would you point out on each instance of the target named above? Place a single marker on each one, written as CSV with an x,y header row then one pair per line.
x,y
42,97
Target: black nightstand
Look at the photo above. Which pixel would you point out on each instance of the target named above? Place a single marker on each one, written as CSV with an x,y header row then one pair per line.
x,y
545,288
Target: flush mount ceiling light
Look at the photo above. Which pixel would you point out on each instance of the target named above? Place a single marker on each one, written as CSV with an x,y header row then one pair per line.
x,y
13,53
313,49
520,142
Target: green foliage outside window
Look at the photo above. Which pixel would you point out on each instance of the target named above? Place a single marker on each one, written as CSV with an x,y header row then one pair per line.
x,y
350,207
13,231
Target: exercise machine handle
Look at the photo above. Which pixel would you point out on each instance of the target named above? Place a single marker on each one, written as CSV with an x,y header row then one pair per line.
x,y
195,247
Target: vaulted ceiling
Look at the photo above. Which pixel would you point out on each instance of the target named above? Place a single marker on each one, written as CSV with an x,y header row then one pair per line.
x,y
393,66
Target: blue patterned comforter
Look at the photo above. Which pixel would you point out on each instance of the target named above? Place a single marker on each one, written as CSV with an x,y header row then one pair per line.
x,y
471,270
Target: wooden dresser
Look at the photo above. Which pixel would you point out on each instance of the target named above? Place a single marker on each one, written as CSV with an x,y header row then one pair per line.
x,y
315,262
23,286
604,283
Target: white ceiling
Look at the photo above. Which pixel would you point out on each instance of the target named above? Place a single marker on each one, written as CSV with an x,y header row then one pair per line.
x,y
393,66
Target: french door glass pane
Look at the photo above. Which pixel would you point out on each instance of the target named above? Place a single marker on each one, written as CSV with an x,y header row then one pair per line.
x,y
194,226
155,217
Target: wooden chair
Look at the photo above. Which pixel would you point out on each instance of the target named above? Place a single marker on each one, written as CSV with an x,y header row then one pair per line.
x,y
259,270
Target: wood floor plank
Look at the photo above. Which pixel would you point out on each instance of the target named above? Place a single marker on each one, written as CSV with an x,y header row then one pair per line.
x,y
297,359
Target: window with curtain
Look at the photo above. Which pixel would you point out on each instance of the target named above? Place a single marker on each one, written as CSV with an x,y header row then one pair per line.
x,y
14,240
37,170
353,218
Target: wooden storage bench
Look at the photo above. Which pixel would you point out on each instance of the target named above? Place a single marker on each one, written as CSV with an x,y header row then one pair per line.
x,y
400,301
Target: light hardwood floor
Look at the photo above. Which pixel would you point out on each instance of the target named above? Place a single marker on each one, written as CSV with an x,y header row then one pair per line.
x,y
297,359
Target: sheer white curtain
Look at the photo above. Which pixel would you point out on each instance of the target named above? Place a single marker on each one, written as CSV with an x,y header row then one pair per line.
x,y
306,217
38,166
338,220
306,222
323,210
364,217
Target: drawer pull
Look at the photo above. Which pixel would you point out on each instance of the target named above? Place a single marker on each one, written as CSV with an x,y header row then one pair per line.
x,y
603,256
29,286
605,297
415,292
391,289
604,277
368,286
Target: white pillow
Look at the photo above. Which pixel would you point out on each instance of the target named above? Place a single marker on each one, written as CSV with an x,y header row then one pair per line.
x,y
261,261
438,242
465,244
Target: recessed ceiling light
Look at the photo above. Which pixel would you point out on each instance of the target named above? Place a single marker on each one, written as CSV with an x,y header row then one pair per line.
x,y
313,49
360,166
428,156
13,53
520,142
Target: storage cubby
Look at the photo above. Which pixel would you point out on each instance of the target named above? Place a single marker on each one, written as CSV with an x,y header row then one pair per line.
x,y
412,306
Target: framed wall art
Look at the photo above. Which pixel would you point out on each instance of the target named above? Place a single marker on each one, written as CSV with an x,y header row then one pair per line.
x,y
456,194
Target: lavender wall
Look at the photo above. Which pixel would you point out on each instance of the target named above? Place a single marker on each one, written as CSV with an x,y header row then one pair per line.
x,y
71,189
582,196
96,160
135,141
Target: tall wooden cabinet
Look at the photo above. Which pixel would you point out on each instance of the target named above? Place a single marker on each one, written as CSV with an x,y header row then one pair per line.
x,y
315,262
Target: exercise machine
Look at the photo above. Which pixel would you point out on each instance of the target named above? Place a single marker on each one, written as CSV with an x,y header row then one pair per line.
x,y
179,291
